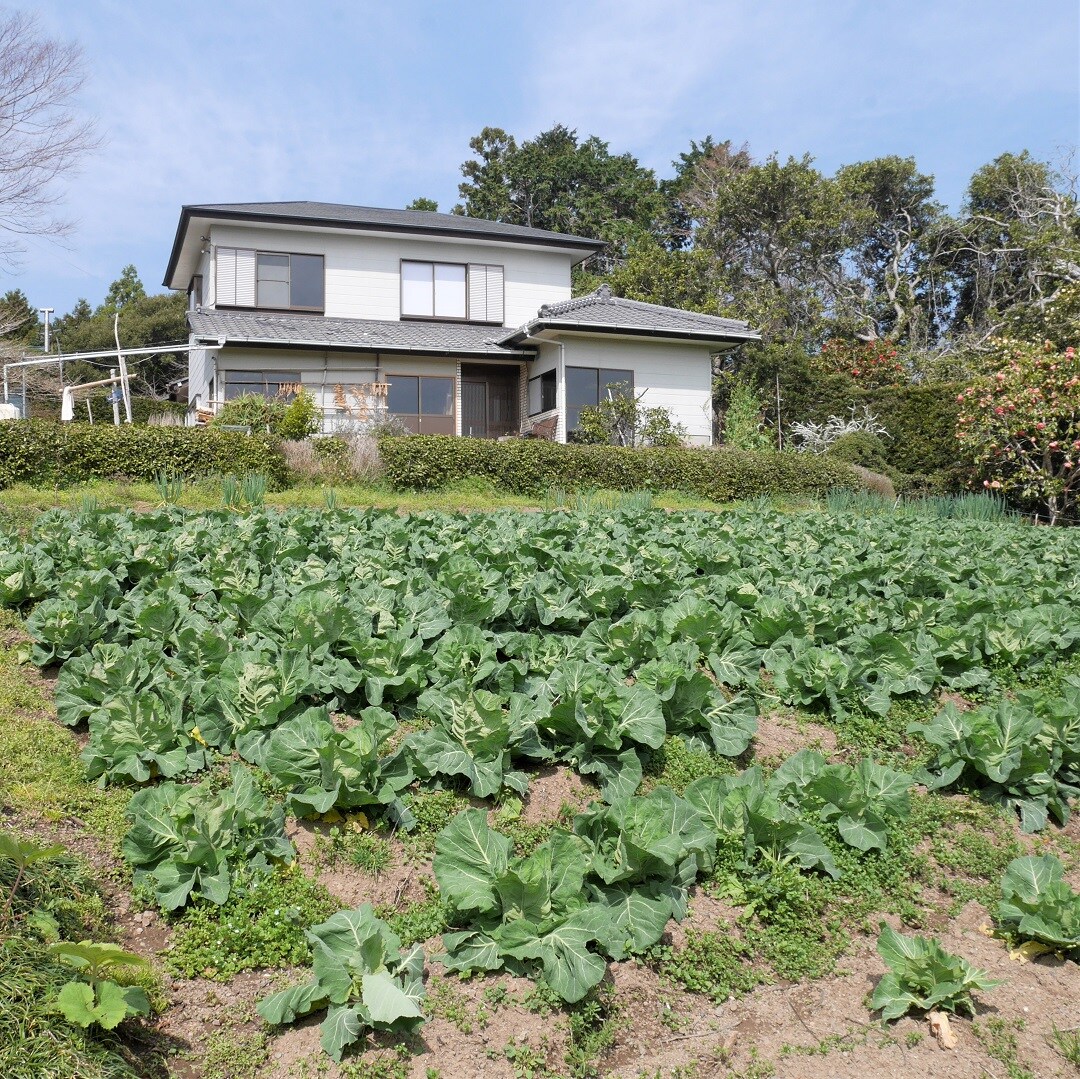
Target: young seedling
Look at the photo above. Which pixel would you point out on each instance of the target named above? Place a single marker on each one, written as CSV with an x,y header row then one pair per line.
x,y
23,853
98,999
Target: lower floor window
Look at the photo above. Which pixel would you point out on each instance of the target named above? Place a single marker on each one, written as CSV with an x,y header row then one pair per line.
x,y
424,403
587,386
542,393
283,384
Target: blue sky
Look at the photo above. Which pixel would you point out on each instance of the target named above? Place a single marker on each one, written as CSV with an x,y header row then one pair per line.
x,y
374,103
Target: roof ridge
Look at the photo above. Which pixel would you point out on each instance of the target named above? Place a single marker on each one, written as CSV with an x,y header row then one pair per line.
x,y
604,295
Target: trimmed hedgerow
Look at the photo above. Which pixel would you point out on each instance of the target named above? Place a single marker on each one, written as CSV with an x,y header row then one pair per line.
x,y
57,454
526,466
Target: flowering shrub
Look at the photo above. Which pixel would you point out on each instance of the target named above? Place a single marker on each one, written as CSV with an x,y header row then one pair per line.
x,y
1021,423
871,364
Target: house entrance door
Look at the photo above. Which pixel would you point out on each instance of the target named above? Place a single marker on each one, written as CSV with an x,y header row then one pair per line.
x,y
474,409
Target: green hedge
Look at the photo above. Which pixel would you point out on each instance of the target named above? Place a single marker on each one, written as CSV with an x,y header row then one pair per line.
x,y
920,419
48,454
531,467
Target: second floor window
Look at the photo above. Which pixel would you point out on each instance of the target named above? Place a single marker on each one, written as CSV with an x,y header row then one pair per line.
x,y
452,290
271,279
289,282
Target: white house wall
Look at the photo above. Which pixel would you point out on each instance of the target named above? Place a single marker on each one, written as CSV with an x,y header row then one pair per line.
x,y
673,376
200,371
363,271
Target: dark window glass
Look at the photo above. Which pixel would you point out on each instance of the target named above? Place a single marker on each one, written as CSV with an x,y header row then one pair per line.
x,y
581,391
437,396
307,281
284,384
619,383
403,397
547,391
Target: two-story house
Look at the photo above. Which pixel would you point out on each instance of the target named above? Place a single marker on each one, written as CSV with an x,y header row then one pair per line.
x,y
452,324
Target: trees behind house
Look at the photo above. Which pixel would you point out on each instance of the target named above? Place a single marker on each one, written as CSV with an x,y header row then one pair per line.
x,y
867,253
861,282
158,319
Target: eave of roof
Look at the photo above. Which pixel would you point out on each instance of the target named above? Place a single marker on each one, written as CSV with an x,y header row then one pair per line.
x,y
268,330
375,219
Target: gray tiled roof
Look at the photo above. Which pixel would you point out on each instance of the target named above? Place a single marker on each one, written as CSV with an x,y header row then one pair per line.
x,y
332,213
363,335
603,312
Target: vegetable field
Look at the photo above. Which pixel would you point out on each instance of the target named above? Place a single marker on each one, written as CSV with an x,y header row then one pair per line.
x,y
710,752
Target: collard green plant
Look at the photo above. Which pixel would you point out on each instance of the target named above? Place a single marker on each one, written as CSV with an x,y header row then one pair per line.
x,y
184,842
1038,904
860,801
323,768
360,976
136,737
1007,752
609,889
922,975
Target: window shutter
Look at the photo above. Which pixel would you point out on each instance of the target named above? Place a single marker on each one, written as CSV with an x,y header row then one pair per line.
x,y
235,277
225,277
245,278
477,293
485,293
495,294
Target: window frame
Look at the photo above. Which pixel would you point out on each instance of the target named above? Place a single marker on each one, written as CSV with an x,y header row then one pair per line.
x,y
470,315
552,376
403,317
290,255
269,378
596,371
415,420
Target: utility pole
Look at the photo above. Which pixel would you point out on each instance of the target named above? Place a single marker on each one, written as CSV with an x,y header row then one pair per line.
x,y
115,400
47,311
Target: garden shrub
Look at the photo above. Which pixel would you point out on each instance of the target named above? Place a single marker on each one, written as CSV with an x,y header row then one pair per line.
x,y
41,453
920,418
296,419
861,448
527,466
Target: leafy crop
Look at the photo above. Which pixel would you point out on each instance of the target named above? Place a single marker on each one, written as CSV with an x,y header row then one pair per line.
x,y
923,975
1020,759
1038,904
607,890
361,977
323,768
185,842
345,655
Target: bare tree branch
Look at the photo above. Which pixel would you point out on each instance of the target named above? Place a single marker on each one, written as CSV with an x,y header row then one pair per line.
x,y
41,138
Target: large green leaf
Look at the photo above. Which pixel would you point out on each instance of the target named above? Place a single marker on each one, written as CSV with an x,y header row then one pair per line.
x,y
469,859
